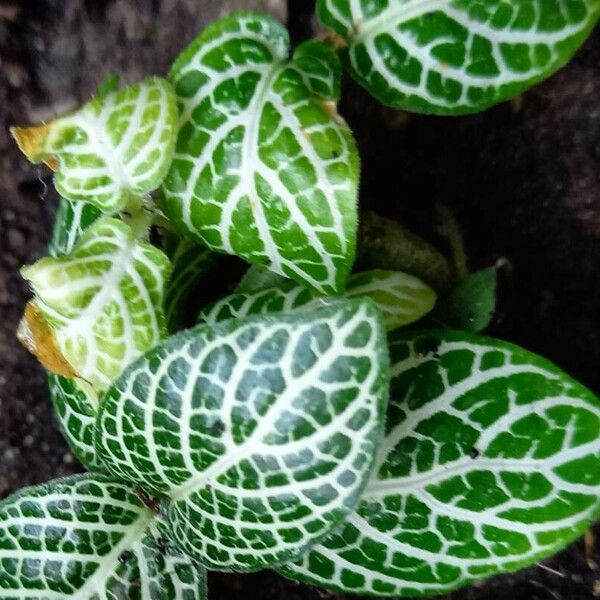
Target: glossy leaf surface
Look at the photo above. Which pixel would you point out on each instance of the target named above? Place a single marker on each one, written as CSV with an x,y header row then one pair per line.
x,y
456,56
491,462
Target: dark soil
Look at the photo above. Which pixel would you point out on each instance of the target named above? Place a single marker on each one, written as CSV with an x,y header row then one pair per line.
x,y
523,180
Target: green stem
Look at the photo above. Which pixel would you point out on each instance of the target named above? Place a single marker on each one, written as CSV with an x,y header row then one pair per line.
x,y
385,244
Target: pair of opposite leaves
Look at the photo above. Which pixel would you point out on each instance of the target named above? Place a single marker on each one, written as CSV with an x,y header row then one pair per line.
x,y
345,578
257,436
259,164
431,518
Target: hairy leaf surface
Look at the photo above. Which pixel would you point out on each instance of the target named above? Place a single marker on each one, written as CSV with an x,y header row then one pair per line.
x,y
91,537
456,56
103,300
260,431
116,147
491,461
264,167
401,298
470,306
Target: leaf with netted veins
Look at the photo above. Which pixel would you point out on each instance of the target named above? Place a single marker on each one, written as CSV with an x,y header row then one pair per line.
x,y
89,536
456,56
259,432
103,301
264,167
72,218
491,462
191,262
114,150
76,412
401,298
257,279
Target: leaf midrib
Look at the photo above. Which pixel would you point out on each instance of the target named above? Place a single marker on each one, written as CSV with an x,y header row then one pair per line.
x,y
98,580
249,158
393,14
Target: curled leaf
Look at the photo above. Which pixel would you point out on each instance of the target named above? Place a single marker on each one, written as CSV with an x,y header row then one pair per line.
x,y
116,148
36,335
103,301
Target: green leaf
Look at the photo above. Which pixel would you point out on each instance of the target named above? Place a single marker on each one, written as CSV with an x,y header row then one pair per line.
x,y
191,262
456,56
89,536
386,244
70,221
115,149
471,304
257,279
76,412
491,462
259,433
103,301
110,84
401,298
264,167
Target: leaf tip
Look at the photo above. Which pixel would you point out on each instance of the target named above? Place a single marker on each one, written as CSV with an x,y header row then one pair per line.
x,y
31,142
35,335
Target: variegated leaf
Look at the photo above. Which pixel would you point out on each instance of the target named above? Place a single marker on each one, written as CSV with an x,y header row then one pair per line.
x,y
401,298
257,279
74,406
260,432
72,218
89,537
103,301
76,412
264,167
491,462
191,262
456,56
114,150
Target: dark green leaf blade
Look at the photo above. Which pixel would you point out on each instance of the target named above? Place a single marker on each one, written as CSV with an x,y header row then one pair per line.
x,y
72,218
89,536
259,432
76,414
191,262
456,56
471,305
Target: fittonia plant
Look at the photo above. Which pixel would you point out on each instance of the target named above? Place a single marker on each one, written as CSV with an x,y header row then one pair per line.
x,y
300,424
